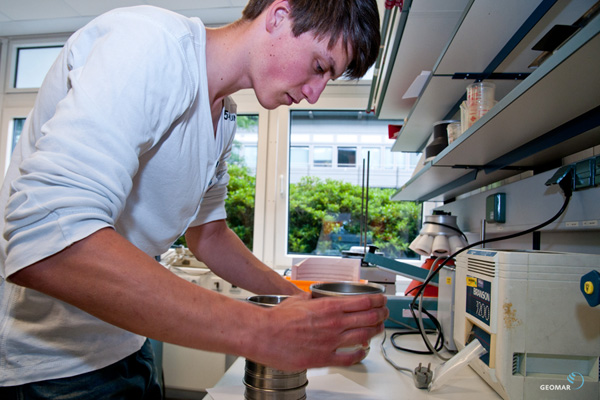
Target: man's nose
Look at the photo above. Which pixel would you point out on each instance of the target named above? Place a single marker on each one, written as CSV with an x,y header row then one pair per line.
x,y
313,89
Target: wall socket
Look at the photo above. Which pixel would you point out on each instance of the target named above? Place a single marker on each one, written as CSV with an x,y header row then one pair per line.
x,y
586,173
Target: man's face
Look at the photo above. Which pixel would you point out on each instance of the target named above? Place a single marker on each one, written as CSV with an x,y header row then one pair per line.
x,y
298,68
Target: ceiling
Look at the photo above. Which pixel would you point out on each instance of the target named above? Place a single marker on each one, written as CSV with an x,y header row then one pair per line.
x,y
32,17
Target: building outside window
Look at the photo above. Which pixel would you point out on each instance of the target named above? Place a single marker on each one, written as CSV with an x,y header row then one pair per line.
x,y
346,157
373,154
326,205
323,156
299,156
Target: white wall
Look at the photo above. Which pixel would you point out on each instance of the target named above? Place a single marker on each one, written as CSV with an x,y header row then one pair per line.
x,y
530,202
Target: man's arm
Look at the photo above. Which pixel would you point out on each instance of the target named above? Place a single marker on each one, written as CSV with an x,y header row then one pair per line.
x,y
226,255
108,277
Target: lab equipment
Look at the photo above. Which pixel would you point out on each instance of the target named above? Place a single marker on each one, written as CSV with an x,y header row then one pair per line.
x,y
526,309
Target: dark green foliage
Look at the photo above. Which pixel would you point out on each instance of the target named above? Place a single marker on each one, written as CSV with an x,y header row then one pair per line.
x,y
324,218
239,203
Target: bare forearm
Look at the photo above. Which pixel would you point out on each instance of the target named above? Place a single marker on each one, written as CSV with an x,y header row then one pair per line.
x,y
226,255
108,277
111,279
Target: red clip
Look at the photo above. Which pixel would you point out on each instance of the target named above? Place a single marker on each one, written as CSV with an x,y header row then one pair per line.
x,y
389,4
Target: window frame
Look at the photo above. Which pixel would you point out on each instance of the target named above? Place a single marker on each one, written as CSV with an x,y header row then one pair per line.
x,y
347,149
13,49
322,162
351,98
9,114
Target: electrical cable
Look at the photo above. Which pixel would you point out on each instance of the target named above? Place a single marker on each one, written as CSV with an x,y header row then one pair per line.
x,y
439,342
404,325
419,320
565,185
446,226
389,360
506,237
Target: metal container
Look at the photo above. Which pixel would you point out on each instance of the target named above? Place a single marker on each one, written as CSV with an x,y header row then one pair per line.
x,y
345,289
253,393
336,289
263,377
267,300
265,383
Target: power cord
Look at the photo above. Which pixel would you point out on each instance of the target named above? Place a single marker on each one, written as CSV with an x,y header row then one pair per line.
x,y
422,376
565,182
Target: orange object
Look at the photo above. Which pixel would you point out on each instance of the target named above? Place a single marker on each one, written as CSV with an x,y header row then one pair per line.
x,y
305,285
430,291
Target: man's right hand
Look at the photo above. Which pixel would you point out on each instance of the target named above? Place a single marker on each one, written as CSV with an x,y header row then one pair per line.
x,y
300,334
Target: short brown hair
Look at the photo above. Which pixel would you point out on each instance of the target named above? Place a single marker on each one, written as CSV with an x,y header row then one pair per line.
x,y
357,21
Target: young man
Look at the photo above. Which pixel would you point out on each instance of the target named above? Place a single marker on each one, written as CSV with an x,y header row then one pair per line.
x,y
124,151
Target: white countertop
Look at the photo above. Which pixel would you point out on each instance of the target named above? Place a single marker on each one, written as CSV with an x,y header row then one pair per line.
x,y
381,380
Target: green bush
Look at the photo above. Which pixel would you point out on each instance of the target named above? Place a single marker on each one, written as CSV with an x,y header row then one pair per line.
x,y
239,203
324,218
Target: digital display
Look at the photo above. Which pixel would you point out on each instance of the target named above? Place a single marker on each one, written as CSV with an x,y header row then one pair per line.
x,y
479,297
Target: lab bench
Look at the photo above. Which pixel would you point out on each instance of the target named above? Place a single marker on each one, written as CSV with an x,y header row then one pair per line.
x,y
378,380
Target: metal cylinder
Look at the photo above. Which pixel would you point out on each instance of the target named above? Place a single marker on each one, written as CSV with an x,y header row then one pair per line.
x,y
345,289
265,383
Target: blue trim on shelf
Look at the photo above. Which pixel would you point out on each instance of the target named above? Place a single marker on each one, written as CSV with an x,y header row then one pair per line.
x,y
527,26
463,180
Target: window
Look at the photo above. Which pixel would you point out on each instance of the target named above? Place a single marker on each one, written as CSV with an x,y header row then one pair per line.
x,y
373,154
390,158
32,65
242,179
324,204
322,156
241,196
13,121
346,157
299,156
17,128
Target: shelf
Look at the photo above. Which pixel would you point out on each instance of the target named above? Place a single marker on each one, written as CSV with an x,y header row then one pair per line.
x,y
558,103
470,49
415,39
563,88
441,95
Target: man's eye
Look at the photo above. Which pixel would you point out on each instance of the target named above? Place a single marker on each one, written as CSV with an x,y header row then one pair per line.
x,y
320,69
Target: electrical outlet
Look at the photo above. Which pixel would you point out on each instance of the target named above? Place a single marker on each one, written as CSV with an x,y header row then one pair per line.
x,y
597,171
584,174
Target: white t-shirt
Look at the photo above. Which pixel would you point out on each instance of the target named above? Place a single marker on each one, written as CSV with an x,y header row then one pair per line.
x,y
121,136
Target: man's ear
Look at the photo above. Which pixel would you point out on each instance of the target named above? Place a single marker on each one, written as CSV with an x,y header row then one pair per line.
x,y
277,13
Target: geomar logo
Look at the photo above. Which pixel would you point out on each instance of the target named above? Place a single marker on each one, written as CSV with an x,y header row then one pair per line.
x,y
574,378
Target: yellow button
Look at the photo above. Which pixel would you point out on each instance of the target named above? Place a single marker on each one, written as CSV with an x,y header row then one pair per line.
x,y
588,287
